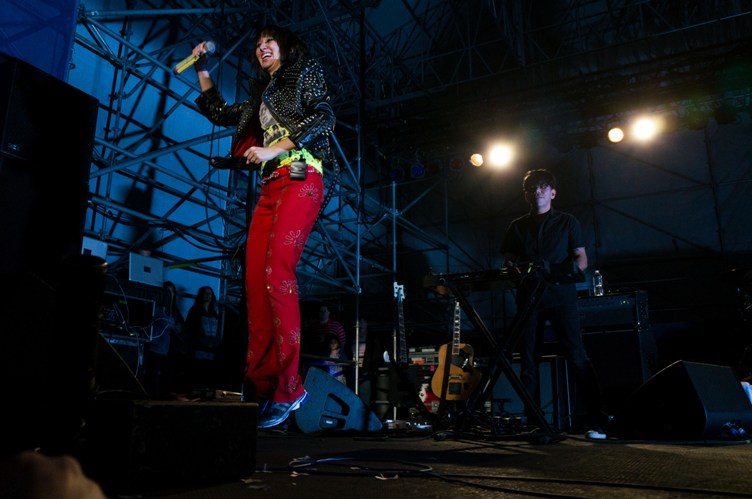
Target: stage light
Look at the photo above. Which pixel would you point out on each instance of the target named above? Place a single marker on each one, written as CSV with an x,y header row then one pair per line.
x,y
616,134
501,155
644,128
476,159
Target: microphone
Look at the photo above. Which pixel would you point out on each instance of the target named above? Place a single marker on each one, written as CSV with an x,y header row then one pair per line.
x,y
188,61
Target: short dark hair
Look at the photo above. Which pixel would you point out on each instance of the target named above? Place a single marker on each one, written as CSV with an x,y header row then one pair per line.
x,y
291,47
534,178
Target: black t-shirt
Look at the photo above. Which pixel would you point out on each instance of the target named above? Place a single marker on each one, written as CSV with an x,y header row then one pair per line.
x,y
552,240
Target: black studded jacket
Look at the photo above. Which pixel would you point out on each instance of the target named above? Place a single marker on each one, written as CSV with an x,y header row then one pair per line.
x,y
296,96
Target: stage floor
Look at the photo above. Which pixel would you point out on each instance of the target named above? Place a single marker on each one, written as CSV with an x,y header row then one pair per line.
x,y
421,463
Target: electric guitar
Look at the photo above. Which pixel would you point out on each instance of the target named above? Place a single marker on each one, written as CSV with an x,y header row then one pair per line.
x,y
429,399
402,392
399,294
458,379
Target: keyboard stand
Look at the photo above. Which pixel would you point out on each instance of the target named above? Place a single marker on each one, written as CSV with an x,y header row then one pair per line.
x,y
500,363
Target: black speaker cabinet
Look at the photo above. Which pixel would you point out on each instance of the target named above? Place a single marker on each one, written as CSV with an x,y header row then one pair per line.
x,y
116,367
623,360
614,311
48,354
137,446
333,406
46,140
686,400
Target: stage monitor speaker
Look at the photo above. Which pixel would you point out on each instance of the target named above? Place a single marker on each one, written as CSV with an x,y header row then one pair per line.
x,y
686,400
333,406
46,139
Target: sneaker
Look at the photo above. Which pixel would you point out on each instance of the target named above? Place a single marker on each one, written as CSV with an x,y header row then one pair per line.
x,y
596,434
278,412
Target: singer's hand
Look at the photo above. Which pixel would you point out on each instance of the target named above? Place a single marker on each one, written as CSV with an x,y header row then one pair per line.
x,y
260,154
198,52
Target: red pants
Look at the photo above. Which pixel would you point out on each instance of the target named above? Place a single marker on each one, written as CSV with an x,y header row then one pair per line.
x,y
282,220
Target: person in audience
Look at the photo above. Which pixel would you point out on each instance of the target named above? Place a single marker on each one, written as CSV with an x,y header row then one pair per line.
x,y
204,337
166,340
336,366
326,326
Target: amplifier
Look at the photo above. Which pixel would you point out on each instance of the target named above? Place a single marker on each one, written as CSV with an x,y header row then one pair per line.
x,y
127,317
424,356
614,311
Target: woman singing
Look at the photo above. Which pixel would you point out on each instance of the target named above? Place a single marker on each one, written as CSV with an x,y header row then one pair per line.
x,y
284,129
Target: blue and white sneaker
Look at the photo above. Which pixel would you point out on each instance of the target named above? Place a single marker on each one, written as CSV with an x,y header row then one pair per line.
x,y
596,434
278,412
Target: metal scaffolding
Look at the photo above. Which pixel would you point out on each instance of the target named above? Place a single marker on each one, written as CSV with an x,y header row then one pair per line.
x,y
402,75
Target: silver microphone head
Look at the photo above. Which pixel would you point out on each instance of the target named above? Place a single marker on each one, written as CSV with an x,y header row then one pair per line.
x,y
210,46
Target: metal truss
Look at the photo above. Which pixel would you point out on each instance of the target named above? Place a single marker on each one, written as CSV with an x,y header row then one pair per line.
x,y
157,164
402,75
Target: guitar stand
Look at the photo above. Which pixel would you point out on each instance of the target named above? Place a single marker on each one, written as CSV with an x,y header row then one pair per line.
x,y
501,364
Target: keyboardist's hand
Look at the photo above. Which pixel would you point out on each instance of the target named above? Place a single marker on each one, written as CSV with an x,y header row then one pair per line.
x,y
510,264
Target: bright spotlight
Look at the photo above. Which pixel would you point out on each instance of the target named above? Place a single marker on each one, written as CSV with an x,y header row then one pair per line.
x,y
501,155
616,134
644,128
476,159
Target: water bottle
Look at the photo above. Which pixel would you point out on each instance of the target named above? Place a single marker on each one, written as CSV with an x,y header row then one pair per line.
x,y
597,283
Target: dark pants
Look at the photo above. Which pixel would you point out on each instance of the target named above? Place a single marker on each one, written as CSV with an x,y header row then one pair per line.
x,y
159,374
564,317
